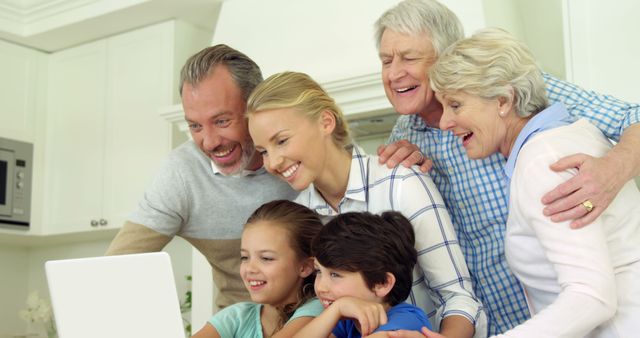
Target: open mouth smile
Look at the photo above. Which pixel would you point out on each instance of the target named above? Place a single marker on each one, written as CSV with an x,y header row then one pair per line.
x,y
326,302
290,171
256,284
405,89
465,137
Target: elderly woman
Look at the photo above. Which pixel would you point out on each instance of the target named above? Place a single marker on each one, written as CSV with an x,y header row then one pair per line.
x,y
578,283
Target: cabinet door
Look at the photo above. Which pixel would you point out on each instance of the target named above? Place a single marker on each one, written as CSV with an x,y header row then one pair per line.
x,y
139,81
74,156
18,66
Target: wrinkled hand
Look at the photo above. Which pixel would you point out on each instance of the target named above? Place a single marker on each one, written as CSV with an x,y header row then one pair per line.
x,y
369,315
597,181
415,334
404,153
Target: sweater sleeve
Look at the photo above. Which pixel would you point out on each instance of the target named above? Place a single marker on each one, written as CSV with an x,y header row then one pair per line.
x,y
580,258
136,238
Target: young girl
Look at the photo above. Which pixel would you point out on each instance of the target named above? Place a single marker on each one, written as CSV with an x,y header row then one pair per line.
x,y
304,139
277,269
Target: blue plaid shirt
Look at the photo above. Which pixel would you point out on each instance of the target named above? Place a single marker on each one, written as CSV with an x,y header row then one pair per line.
x,y
441,281
475,193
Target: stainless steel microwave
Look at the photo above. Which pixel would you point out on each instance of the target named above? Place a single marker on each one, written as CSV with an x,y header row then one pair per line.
x,y
16,168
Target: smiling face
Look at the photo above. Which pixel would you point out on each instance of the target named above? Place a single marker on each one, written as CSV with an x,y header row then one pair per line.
x,y
485,126
332,284
214,110
406,60
270,269
293,146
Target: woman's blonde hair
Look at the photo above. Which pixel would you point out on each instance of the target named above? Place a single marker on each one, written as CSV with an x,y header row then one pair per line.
x,y
492,64
304,95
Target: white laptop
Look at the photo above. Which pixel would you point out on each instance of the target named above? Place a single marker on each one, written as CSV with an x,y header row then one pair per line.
x,y
115,297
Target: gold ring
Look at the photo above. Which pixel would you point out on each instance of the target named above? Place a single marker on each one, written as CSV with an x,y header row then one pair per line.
x,y
420,159
587,205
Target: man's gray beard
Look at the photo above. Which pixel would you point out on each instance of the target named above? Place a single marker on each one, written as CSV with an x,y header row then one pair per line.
x,y
245,160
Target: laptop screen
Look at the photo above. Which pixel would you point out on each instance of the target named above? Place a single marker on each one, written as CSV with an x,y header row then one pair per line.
x,y
115,296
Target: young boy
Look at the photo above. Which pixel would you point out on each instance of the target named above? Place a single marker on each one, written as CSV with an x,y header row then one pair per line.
x,y
363,275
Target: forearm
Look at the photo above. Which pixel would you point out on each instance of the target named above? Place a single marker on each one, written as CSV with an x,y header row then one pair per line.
x,y
320,326
456,327
560,319
292,327
627,153
136,238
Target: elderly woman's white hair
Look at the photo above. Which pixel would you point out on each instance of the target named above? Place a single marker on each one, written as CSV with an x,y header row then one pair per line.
x,y
492,64
414,17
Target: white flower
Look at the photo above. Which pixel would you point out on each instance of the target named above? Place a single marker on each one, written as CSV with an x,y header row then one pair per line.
x,y
38,309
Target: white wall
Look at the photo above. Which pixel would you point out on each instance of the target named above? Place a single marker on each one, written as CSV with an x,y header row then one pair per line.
x,y
538,23
329,39
604,46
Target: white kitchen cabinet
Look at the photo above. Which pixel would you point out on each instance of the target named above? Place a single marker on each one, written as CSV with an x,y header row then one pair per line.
x,y
21,89
75,133
104,138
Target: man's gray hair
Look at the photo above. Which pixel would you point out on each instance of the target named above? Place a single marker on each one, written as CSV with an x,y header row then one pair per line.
x,y
413,17
244,71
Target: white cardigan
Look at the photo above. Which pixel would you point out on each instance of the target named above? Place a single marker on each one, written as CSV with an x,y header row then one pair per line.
x,y
583,282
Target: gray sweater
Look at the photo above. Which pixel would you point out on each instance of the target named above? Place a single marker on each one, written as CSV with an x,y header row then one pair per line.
x,y
209,210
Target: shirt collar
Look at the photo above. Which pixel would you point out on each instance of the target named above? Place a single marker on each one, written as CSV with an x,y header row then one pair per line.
x,y
358,173
243,173
356,188
552,117
417,123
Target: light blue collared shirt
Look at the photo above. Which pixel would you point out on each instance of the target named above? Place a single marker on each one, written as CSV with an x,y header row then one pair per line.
x,y
554,116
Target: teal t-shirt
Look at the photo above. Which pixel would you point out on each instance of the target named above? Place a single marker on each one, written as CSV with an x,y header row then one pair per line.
x,y
243,319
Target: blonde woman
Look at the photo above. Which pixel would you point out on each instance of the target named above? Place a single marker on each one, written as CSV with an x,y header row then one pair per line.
x,y
304,139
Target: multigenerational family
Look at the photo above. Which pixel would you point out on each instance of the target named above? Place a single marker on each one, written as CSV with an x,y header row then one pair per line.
x,y
500,206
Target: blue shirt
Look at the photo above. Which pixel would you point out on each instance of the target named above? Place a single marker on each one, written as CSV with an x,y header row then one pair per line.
x,y
552,117
400,317
475,192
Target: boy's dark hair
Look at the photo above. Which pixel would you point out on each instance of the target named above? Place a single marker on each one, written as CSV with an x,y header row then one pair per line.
x,y
372,245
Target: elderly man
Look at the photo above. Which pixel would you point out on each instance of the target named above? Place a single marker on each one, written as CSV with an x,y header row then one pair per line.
x,y
410,36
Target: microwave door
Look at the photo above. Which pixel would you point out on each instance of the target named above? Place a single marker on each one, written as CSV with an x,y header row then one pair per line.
x,y
7,161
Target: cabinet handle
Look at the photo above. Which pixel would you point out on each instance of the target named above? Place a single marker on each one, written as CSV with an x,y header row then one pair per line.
x,y
94,223
103,221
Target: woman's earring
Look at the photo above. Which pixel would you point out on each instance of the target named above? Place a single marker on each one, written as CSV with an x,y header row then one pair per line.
x,y
502,113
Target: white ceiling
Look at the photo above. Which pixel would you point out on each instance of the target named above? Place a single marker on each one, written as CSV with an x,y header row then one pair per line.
x,y
51,25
